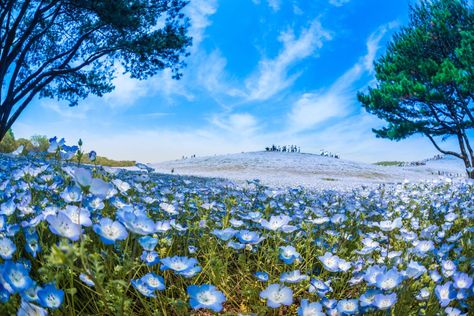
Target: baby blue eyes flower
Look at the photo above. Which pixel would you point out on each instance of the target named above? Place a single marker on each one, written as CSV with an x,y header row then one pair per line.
x,y
62,225
384,302
310,309
248,237
72,194
16,276
462,281
7,248
262,276
148,243
143,288
180,265
50,296
153,281
277,295
445,293
29,309
150,258
292,277
206,296
92,155
275,222
415,270
86,279
388,280
330,262
110,231
289,254
319,287
348,307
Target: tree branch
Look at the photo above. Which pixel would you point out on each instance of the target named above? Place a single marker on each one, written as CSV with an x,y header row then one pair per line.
x,y
446,152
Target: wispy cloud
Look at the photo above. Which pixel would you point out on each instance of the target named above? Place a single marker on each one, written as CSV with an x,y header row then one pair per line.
x,y
312,109
237,123
273,75
338,3
199,12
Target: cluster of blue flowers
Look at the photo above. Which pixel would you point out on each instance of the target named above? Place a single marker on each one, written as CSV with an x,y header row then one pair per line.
x,y
402,248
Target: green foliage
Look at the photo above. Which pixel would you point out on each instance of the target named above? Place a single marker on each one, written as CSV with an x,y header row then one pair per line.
x,y
389,163
425,80
7,145
103,161
69,49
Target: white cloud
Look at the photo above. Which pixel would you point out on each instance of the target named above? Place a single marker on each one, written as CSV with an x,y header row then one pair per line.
x,y
199,12
244,124
274,4
312,109
273,75
338,3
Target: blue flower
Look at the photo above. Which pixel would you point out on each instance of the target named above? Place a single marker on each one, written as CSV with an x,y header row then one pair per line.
x,y
154,281
276,222
262,276
289,254
86,279
16,276
310,309
348,307
62,225
367,299
224,234
462,281
7,248
330,262
148,243
319,287
248,237
28,309
445,293
389,280
50,296
178,264
293,277
277,295
72,194
206,296
150,258
143,288
110,231
384,302
415,270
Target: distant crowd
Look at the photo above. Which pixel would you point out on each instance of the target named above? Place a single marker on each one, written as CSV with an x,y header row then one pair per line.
x,y
325,153
284,149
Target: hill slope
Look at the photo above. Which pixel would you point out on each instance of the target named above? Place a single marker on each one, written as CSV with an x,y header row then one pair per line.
x,y
308,170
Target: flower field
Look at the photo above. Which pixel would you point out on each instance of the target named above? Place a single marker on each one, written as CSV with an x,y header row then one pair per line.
x,y
89,240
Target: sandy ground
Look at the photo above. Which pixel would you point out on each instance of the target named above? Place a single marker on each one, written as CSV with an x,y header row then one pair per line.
x,y
307,170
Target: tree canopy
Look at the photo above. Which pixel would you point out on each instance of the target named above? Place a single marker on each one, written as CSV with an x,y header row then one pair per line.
x,y
425,80
69,49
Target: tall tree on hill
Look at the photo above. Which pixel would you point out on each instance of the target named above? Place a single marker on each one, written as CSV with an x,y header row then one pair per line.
x,y
425,80
68,49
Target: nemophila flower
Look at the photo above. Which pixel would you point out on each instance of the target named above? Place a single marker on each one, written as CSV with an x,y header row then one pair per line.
x,y
224,234
235,245
236,222
154,281
178,264
82,176
78,215
143,288
191,272
7,248
452,311
138,224
292,277
16,276
435,276
330,262
72,194
248,237
424,294
92,155
168,208
206,296
384,302
150,258
371,274
29,309
50,296
261,276
121,185
275,222
448,267
100,188
388,280
162,226
110,231
330,304
348,307
289,254
86,279
277,295
319,287
148,243
414,270
445,293
388,226
367,299
8,208
423,246
462,281
310,309
32,245
62,225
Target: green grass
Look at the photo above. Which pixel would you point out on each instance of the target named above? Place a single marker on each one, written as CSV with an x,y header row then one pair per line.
x,y
389,163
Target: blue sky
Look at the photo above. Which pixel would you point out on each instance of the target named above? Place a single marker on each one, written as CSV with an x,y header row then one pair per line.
x,y
260,72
